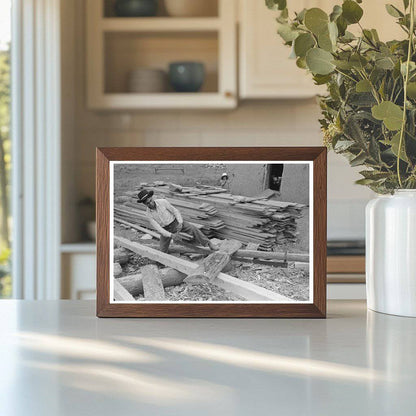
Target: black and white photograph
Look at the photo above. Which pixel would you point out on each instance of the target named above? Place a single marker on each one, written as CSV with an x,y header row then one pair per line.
x,y
211,232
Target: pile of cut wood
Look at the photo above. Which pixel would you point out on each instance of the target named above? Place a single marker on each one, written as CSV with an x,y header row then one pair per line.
x,y
150,281
218,213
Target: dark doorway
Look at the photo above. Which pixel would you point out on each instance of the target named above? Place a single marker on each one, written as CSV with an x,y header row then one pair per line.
x,y
275,177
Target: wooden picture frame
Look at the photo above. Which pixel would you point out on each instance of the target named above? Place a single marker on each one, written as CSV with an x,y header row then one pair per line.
x,y
317,159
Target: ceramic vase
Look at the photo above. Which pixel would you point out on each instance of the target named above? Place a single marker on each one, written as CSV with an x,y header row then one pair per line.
x,y
391,253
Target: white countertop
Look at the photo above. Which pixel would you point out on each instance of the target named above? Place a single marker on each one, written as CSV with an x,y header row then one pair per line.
x,y
57,358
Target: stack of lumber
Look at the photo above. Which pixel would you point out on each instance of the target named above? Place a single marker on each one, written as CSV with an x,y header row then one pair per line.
x,y
223,215
202,215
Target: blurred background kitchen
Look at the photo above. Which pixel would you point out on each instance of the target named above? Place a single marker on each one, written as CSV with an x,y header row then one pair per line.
x,y
97,73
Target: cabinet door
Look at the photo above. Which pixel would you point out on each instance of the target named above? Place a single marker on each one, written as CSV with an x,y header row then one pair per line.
x,y
265,68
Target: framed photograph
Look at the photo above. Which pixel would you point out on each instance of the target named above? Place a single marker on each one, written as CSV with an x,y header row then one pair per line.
x,y
211,232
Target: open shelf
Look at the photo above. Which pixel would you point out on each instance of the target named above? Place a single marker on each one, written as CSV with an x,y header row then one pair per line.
x,y
116,46
160,24
127,51
211,9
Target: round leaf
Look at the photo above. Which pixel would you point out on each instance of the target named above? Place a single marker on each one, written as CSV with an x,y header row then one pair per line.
x,y
319,61
351,11
286,32
316,20
411,90
303,43
324,42
363,86
301,63
336,12
276,4
391,114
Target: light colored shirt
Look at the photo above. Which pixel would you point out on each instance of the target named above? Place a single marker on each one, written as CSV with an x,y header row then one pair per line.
x,y
164,213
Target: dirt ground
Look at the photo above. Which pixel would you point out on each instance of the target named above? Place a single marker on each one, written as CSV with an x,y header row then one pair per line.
x,y
290,282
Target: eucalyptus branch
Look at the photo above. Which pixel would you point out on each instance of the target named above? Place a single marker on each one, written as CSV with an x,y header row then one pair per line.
x,y
345,75
406,79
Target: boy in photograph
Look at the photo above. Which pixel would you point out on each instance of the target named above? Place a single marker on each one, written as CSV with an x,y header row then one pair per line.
x,y
168,221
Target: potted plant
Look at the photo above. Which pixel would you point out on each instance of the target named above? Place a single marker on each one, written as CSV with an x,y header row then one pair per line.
x,y
368,116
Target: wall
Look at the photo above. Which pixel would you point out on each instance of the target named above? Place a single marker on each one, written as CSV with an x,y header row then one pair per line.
x,y
256,123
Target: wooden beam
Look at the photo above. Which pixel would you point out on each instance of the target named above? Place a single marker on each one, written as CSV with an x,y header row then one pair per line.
x,y
152,283
247,290
134,283
121,294
214,263
121,256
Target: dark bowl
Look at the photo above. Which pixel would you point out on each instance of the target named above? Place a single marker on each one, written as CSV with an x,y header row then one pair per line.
x,y
135,8
186,76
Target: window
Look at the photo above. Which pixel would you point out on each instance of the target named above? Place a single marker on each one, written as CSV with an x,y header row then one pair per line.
x,y
5,159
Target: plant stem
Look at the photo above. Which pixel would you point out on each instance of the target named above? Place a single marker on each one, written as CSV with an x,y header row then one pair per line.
x,y
406,79
345,75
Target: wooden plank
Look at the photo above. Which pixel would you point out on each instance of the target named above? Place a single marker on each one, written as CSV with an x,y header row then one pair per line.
x,y
247,290
214,263
152,283
121,293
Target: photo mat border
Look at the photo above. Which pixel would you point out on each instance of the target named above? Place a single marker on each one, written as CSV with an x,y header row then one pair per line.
x,y
230,162
316,308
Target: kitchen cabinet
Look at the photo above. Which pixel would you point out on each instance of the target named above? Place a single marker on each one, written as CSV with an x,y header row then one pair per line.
x,y
118,45
265,70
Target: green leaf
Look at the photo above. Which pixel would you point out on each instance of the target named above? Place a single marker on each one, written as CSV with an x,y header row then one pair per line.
x,y
336,12
374,175
412,67
390,113
411,90
385,63
394,144
343,145
276,4
300,17
303,43
351,11
406,4
316,20
321,79
375,35
341,64
301,63
363,86
342,25
358,61
374,150
319,61
393,11
286,32
364,181
347,37
358,160
325,43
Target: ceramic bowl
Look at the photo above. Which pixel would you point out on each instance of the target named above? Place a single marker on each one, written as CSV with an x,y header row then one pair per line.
x,y
186,76
135,8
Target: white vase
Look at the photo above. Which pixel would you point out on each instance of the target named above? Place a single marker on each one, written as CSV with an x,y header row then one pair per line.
x,y
391,253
